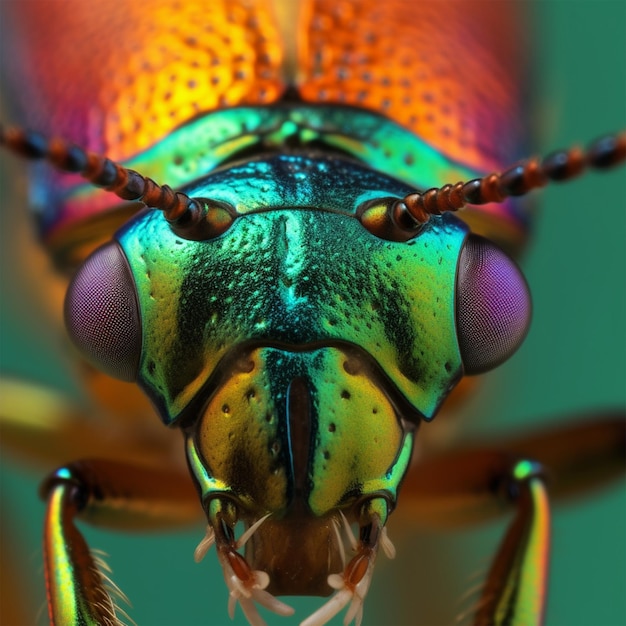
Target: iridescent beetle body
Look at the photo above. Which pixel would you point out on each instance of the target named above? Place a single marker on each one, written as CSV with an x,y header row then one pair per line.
x,y
307,333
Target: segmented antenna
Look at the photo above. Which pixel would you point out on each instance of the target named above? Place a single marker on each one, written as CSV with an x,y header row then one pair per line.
x,y
187,216
515,181
198,219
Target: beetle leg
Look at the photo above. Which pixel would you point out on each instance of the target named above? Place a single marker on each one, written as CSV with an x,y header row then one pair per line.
x,y
515,590
460,487
103,493
353,584
470,485
245,585
580,457
46,427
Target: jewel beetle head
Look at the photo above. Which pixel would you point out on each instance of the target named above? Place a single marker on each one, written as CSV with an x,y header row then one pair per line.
x,y
299,348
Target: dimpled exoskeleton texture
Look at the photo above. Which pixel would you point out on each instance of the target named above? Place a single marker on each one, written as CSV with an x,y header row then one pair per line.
x,y
286,274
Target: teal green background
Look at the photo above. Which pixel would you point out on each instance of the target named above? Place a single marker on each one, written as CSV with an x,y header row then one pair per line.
x,y
574,359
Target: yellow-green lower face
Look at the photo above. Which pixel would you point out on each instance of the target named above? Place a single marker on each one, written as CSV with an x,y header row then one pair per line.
x,y
301,434
307,431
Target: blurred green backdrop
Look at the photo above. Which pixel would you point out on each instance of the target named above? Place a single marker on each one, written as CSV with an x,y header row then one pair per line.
x,y
574,359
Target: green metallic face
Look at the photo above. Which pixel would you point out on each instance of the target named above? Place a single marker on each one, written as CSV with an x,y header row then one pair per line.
x,y
295,270
297,349
297,342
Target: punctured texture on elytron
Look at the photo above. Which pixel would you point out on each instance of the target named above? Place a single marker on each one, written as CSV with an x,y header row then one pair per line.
x,y
451,81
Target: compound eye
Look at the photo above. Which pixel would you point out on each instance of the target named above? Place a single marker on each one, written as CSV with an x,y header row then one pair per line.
x,y
102,313
493,307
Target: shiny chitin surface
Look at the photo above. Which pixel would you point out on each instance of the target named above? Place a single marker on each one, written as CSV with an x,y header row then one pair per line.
x,y
287,275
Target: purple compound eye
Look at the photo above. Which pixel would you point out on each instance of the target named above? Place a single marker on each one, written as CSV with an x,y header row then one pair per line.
x,y
493,307
102,313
